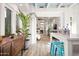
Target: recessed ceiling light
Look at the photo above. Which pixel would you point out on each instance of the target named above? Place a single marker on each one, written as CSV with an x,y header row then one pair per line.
x,y
41,23
20,4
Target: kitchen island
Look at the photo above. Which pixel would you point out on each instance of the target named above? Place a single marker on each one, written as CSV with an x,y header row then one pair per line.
x,y
71,43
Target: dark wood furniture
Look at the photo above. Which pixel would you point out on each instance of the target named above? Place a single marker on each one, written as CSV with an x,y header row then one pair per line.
x,y
11,46
17,45
5,46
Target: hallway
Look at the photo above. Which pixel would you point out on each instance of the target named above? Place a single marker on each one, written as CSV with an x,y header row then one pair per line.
x,y
29,20
41,48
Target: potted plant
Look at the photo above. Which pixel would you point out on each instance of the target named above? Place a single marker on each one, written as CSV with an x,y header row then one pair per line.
x,y
25,26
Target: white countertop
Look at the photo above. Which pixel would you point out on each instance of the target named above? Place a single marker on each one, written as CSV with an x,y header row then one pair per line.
x,y
74,36
63,36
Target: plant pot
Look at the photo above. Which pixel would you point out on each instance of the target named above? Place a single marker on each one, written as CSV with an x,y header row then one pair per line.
x,y
27,44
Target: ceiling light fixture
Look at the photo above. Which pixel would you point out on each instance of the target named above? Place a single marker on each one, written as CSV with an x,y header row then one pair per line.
x,y
20,4
41,23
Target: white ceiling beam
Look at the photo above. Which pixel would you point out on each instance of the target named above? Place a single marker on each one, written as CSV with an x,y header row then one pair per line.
x,y
72,5
60,5
48,5
36,5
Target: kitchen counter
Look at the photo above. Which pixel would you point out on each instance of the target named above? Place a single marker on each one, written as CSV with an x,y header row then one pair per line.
x,y
63,36
69,41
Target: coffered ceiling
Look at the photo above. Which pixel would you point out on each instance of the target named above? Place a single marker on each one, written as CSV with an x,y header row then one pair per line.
x,y
51,5
31,6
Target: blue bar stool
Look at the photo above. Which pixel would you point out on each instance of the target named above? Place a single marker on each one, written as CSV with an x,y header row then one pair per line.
x,y
57,48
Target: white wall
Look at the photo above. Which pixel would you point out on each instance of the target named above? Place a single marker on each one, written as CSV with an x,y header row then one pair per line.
x,y
71,13
76,14
2,19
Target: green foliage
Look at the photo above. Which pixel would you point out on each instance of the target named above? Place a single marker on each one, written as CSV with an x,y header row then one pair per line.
x,y
25,23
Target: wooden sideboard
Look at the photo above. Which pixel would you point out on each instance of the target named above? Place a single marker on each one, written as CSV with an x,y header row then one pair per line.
x,y
17,45
11,46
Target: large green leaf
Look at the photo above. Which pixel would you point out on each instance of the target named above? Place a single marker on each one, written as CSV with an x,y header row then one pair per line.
x,y
25,23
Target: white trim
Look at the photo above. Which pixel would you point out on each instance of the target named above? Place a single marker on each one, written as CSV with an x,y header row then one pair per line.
x,y
11,7
2,20
72,5
48,5
60,5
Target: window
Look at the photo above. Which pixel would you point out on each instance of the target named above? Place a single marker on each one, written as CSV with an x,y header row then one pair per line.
x,y
8,22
